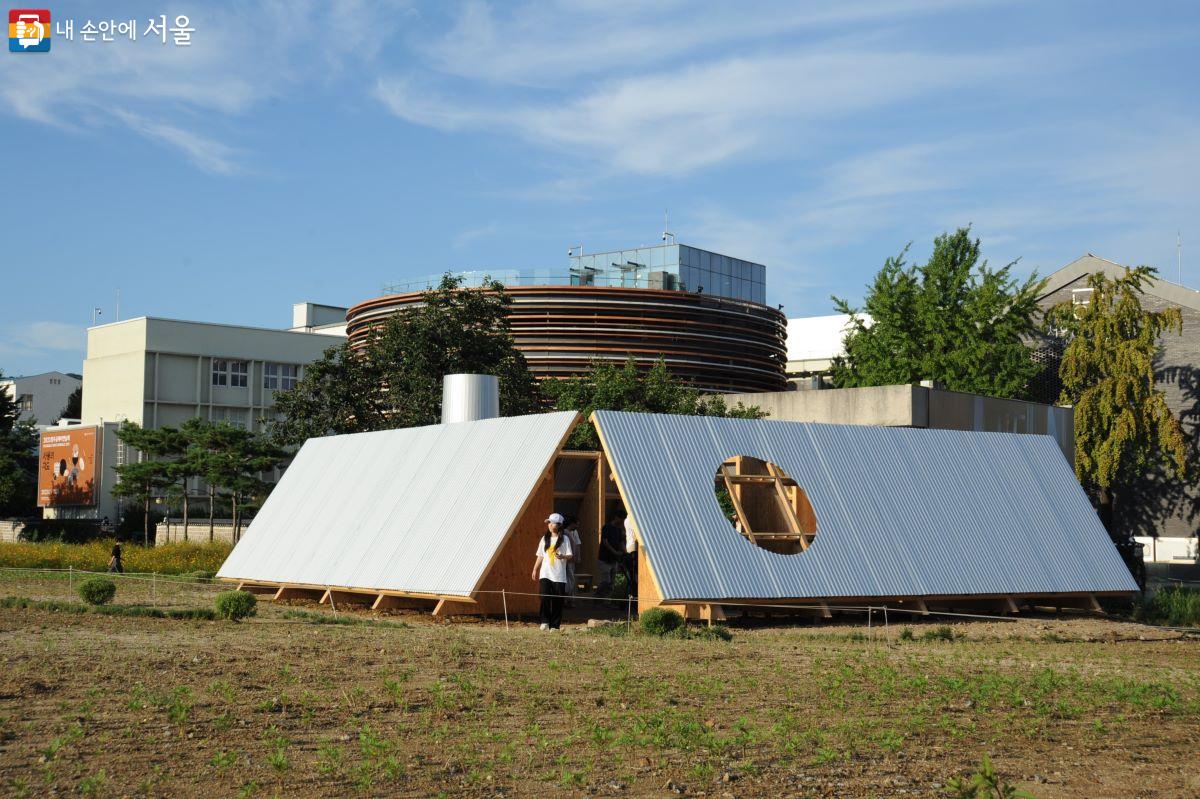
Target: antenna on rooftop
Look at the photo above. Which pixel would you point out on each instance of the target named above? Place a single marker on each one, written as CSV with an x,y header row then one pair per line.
x,y
118,305
667,235
1179,257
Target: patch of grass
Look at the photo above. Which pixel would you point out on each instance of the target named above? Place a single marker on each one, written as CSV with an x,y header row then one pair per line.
x,y
137,611
342,619
92,786
1175,606
942,632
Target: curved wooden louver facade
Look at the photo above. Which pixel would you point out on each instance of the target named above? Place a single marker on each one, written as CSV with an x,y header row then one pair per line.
x,y
714,343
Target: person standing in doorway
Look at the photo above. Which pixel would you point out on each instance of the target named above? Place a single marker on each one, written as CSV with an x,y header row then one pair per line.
x,y
611,555
114,562
571,528
550,570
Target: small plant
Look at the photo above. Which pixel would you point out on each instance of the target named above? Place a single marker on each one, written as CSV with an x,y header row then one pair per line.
x,y
984,784
942,632
906,634
236,605
97,591
660,621
91,786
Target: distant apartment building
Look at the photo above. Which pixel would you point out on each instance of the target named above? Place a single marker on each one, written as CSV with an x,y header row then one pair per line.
x,y
41,398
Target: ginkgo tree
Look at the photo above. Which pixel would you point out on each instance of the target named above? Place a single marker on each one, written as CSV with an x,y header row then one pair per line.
x,y
1124,429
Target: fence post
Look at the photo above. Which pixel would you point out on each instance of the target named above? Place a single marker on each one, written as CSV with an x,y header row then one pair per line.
x,y
71,578
153,592
504,599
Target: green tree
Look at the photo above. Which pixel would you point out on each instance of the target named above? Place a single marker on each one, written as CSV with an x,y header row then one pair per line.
x,y
1124,430
395,379
18,460
952,319
74,407
146,478
236,461
627,388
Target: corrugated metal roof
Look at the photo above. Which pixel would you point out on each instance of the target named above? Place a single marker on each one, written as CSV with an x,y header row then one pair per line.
x,y
421,509
900,512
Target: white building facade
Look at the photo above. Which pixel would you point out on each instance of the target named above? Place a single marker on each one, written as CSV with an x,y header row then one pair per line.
x,y
41,398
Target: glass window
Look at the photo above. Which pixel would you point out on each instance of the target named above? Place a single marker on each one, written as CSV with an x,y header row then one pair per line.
x,y
238,370
25,402
220,372
280,376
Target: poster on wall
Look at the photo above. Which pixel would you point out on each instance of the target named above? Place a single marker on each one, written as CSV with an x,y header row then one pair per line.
x,y
67,467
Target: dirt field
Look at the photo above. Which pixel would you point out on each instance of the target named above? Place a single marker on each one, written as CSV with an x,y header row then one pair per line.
x,y
115,706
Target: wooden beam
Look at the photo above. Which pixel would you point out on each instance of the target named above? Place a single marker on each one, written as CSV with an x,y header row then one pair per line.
x,y
785,503
1011,605
735,497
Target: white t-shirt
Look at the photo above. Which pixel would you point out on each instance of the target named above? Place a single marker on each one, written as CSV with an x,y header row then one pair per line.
x,y
554,568
630,538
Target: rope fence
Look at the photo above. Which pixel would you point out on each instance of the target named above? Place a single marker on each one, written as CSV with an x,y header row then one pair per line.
x,y
871,612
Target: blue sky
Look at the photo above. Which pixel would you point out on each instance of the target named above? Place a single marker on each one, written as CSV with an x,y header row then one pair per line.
x,y
315,151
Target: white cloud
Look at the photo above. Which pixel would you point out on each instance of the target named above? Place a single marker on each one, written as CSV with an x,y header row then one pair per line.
x,y
239,57
676,121
550,44
41,337
208,154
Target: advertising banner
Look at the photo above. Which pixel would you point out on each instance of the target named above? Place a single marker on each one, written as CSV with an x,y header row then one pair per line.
x,y
67,466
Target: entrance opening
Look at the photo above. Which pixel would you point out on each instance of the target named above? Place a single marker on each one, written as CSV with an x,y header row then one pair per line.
x,y
764,505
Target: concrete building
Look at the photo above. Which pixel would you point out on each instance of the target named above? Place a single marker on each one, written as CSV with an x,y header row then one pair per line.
x,y
702,313
922,406
161,372
1161,508
41,398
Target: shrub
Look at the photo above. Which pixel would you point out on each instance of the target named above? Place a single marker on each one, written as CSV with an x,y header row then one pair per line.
x,y
660,621
906,634
200,575
1175,606
97,591
942,632
236,605
718,632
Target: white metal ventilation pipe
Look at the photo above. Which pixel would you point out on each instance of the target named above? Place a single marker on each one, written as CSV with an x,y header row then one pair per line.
x,y
467,398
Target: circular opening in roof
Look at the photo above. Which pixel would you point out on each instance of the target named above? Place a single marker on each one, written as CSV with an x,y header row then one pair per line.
x,y
764,505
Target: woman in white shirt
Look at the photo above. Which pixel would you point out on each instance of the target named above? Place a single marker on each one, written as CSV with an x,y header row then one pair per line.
x,y
550,570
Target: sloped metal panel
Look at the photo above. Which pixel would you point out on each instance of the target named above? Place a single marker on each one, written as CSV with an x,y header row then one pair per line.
x,y
900,512
421,509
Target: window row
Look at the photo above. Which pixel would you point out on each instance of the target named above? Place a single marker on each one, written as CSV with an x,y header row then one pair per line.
x,y
236,374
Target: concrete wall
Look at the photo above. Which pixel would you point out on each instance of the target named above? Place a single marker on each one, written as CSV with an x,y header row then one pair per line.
x,y
885,406
917,406
9,530
172,532
50,392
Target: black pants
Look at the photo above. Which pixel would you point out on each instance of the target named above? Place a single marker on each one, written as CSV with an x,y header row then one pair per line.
x,y
552,602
